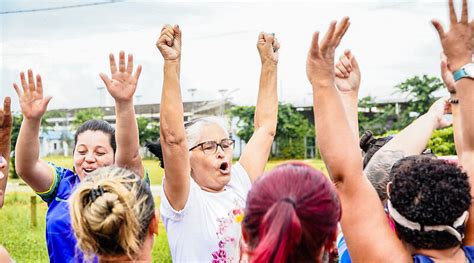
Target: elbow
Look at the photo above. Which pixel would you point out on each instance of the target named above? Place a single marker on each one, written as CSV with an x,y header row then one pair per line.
x,y
172,138
268,129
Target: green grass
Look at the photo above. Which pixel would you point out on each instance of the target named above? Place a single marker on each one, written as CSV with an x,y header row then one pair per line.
x,y
28,244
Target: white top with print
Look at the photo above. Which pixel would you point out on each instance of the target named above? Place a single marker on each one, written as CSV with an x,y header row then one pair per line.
x,y
208,228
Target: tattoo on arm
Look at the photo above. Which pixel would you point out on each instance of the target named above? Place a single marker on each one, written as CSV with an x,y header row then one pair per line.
x,y
378,170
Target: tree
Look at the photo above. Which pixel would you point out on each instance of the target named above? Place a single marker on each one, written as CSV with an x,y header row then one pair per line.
x,y
84,115
17,120
377,122
291,131
148,129
245,116
420,91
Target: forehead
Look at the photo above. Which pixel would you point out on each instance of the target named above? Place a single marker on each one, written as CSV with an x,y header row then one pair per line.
x,y
212,132
93,139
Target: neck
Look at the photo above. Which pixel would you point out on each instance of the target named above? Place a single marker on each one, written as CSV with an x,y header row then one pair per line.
x,y
455,254
144,254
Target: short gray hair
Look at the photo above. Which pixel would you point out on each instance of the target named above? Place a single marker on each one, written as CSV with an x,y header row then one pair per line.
x,y
194,127
378,170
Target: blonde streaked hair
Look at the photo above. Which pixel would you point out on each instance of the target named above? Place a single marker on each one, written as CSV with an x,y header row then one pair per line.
x,y
116,222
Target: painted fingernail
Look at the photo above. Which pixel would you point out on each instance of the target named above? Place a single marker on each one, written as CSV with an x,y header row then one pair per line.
x,y
273,34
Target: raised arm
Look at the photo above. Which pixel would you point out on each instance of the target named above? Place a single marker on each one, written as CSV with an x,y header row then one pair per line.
x,y
256,152
34,171
413,139
363,219
6,123
122,87
348,83
458,46
450,84
172,134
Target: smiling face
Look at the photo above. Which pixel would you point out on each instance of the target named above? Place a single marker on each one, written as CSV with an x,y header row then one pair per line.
x,y
211,171
93,150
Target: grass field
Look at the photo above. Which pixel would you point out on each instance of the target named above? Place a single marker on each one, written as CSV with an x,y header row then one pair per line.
x,y
27,244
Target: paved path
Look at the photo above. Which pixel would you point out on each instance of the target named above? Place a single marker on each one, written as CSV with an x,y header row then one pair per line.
x,y
17,187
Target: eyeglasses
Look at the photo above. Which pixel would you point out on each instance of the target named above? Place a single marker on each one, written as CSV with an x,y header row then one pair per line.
x,y
210,147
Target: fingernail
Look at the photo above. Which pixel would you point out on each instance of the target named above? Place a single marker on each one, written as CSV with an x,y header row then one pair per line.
x,y
273,34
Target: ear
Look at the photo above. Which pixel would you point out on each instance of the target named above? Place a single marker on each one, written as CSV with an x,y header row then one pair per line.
x,y
153,228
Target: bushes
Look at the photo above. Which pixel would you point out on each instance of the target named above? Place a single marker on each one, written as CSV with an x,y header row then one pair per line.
x,y
442,142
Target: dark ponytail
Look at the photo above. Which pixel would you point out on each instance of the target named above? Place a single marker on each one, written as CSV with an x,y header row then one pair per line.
x,y
155,149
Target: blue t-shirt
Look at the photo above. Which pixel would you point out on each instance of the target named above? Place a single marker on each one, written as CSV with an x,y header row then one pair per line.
x,y
344,256
60,237
59,233
468,251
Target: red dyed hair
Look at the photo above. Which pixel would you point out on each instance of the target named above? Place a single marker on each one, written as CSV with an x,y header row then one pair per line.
x,y
290,214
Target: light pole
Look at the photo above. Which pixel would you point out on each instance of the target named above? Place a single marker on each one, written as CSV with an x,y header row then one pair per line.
x,y
192,91
223,93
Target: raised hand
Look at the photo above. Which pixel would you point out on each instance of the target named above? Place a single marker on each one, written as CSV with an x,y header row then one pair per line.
x,y
268,47
320,61
6,124
458,41
447,75
169,42
439,108
347,73
32,103
6,121
123,84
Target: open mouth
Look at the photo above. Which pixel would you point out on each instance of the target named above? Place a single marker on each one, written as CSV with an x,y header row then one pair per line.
x,y
224,168
88,171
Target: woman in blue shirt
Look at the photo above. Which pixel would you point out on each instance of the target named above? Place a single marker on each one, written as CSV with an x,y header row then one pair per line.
x,y
96,145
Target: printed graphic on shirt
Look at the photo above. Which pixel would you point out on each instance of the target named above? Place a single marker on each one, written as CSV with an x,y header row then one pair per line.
x,y
229,234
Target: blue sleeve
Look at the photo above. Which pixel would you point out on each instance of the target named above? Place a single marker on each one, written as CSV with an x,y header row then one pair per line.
x,y
342,251
469,251
50,194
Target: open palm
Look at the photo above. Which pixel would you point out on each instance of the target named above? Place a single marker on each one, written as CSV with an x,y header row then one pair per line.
x,y
32,103
5,121
123,84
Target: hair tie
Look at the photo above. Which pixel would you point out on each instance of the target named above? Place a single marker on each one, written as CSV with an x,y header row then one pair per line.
x,y
96,192
289,200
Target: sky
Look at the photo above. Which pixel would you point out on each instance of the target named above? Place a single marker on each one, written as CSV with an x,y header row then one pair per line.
x,y
69,47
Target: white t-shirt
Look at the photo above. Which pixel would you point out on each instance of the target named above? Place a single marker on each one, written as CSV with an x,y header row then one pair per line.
x,y
208,229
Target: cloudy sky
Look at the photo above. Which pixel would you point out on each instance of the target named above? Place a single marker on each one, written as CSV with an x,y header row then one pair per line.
x,y
69,47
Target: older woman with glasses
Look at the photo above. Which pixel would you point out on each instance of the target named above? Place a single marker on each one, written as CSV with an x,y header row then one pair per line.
x,y
203,193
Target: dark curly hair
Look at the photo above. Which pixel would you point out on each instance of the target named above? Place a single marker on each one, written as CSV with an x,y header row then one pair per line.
x,y
430,192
